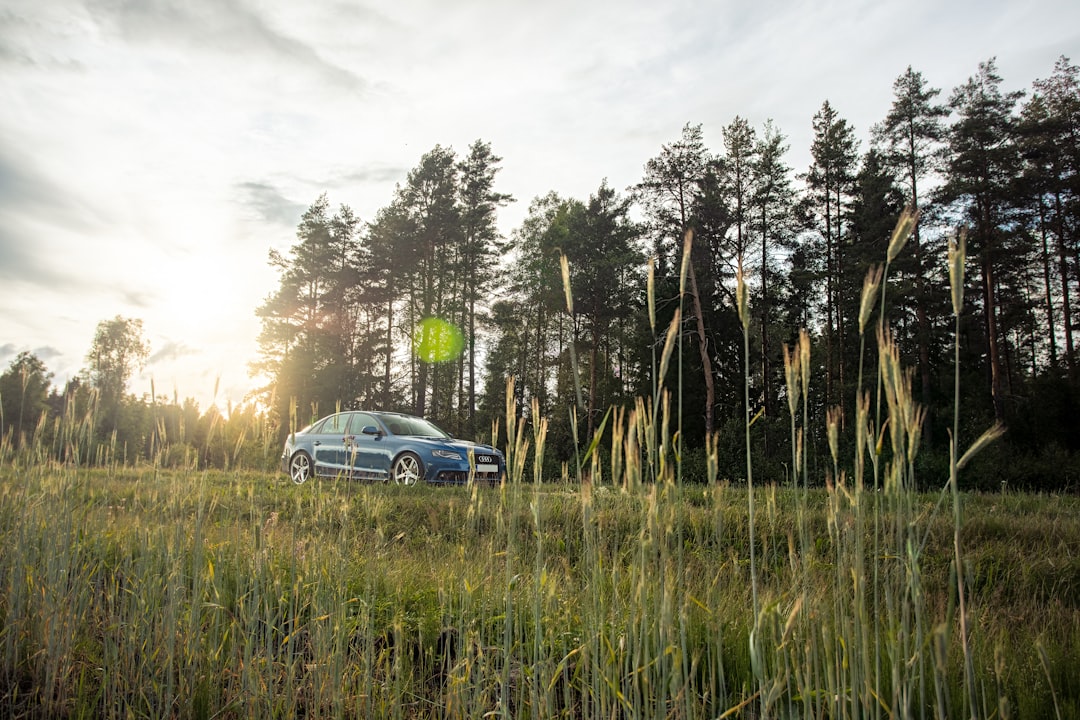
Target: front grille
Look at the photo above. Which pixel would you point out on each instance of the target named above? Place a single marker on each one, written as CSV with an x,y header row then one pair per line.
x,y
459,477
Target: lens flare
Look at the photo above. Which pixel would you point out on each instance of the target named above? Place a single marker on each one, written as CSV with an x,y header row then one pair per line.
x,y
437,340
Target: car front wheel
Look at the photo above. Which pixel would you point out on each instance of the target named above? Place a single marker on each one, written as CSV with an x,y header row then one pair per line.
x,y
300,467
407,470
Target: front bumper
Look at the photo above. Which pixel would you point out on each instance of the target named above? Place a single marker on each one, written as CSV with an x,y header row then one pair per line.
x,y
461,477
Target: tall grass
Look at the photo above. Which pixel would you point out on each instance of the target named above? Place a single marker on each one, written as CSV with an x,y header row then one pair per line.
x,y
177,594
150,593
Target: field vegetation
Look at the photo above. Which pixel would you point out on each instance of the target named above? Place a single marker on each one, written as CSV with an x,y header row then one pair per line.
x,y
615,590
147,593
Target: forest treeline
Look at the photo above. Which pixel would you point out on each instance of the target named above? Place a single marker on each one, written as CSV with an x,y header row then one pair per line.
x,y
340,330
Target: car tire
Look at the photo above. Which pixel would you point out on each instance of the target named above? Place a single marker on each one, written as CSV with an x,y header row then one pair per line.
x,y
300,468
407,469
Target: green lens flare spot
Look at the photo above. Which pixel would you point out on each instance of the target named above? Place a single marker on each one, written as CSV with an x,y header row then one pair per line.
x,y
437,340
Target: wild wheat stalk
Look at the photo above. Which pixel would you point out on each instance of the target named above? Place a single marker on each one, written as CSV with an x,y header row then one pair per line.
x,y
957,259
685,269
657,378
564,266
756,641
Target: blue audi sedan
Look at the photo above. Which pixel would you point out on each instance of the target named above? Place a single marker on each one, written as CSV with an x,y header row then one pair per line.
x,y
387,447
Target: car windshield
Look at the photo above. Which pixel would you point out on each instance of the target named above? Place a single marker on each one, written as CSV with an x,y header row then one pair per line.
x,y
414,426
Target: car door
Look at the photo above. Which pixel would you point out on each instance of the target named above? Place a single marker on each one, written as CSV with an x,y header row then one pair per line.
x,y
368,453
330,446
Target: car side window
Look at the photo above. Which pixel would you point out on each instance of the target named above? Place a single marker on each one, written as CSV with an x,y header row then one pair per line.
x,y
335,424
358,421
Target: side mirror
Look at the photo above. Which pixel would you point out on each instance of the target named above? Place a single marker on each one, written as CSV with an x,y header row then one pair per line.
x,y
370,430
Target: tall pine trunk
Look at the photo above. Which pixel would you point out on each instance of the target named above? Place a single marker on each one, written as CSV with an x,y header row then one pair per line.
x,y
389,352
766,383
990,311
1048,293
1066,304
830,298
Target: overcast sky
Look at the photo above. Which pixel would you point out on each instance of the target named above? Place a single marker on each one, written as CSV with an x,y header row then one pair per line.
x,y
153,152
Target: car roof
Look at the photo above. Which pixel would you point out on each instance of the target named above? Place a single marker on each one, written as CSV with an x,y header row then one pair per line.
x,y
384,416
376,413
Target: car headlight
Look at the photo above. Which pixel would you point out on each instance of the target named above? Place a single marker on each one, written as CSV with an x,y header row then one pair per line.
x,y
446,454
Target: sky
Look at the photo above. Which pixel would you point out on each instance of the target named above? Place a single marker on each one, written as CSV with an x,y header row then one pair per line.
x,y
153,152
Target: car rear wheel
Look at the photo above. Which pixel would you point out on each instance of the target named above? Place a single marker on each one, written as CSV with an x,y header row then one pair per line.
x,y
300,467
407,470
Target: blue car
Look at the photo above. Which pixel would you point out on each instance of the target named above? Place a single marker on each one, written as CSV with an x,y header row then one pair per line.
x,y
387,447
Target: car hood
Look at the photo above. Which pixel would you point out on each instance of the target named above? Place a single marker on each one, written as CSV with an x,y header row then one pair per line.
x,y
469,444
459,444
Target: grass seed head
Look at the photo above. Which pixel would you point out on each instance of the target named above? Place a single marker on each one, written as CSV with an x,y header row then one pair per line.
x,y
905,226
804,361
564,266
995,431
871,285
914,431
669,343
799,452
893,383
862,416
791,379
688,241
957,258
832,422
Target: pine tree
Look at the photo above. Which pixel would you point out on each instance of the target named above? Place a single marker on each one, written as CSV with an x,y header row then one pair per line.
x,y
830,190
911,139
738,166
480,236
432,256
772,201
982,168
1052,154
603,261
387,276
672,181
309,341
673,196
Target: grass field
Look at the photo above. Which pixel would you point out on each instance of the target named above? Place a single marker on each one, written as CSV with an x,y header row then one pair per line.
x,y
140,593
618,592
